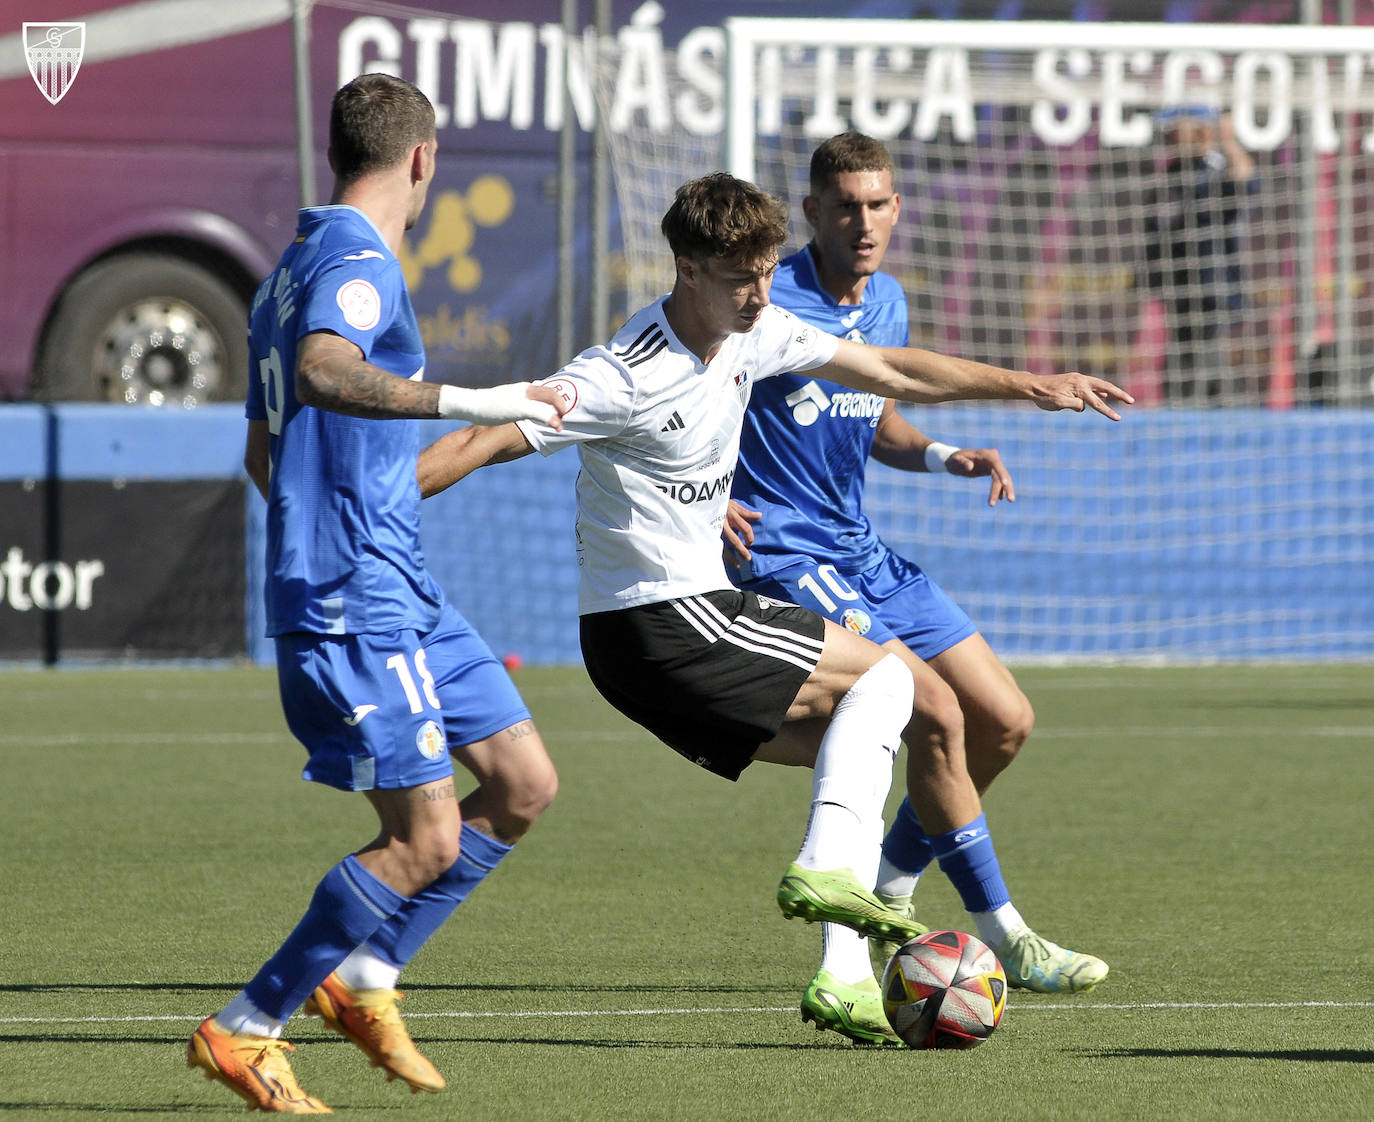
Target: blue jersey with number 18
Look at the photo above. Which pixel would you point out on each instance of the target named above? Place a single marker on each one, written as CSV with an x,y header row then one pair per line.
x,y
343,519
806,441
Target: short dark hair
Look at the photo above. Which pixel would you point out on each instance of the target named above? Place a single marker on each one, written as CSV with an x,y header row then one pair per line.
x,y
723,217
374,121
849,151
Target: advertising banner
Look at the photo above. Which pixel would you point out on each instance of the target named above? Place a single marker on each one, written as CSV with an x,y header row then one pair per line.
x,y
148,569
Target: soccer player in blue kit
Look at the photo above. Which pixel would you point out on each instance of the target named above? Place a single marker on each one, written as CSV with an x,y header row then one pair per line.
x,y
382,681
806,539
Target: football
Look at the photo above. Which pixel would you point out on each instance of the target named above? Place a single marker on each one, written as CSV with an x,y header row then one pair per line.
x,y
944,989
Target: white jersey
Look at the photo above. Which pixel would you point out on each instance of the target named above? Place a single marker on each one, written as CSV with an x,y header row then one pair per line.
x,y
658,432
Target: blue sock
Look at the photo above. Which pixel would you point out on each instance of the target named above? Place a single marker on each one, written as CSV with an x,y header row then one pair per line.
x,y
906,844
348,906
400,937
967,857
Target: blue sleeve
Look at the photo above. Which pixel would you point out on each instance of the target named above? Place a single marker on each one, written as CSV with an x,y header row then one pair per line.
x,y
356,299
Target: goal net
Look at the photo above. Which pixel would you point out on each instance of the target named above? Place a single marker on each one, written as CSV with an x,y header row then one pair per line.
x,y
1178,208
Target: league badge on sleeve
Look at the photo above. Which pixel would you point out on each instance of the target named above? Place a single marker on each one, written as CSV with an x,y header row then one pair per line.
x,y
566,389
360,303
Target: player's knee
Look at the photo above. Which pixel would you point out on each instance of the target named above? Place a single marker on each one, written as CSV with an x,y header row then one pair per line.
x,y
886,691
936,719
1018,728
992,747
429,856
522,796
889,677
538,787
1012,728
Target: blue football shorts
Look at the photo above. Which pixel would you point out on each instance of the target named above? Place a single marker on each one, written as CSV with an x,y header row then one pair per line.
x,y
893,599
380,711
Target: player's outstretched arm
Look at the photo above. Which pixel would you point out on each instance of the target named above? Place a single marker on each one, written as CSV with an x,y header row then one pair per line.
x,y
332,374
912,374
457,454
899,444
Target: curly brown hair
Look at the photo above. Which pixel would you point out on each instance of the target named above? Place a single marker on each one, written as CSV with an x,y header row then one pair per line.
x,y
719,216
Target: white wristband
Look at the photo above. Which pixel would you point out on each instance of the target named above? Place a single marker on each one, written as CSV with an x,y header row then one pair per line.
x,y
937,455
493,406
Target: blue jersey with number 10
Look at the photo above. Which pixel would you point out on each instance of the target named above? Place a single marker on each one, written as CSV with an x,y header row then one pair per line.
x,y
343,517
806,441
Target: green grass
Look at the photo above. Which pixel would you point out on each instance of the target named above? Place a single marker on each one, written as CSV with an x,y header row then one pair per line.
x,y
1208,831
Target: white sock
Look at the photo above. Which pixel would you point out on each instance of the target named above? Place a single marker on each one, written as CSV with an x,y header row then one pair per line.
x,y
364,970
829,841
893,881
844,952
853,770
996,925
241,1015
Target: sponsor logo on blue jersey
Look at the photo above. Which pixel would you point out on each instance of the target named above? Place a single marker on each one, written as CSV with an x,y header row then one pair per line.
x,y
810,403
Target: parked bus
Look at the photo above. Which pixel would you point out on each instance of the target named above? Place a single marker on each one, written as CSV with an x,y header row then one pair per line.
x,y
140,208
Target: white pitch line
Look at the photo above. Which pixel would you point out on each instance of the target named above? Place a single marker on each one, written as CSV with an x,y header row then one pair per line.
x,y
1158,732
1030,1007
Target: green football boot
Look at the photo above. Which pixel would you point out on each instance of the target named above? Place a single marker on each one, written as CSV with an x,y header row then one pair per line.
x,y
853,1009
1033,963
836,896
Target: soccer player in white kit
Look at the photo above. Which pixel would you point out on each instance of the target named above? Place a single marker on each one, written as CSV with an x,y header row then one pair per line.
x,y
724,677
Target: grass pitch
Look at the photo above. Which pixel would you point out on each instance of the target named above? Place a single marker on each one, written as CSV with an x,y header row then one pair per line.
x,y
1207,831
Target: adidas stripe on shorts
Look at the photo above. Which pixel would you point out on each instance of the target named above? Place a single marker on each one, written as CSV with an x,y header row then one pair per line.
x,y
711,675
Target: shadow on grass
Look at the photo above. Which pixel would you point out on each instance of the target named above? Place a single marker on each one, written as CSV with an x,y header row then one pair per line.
x,y
105,1108
824,1042
834,1043
1299,1055
419,987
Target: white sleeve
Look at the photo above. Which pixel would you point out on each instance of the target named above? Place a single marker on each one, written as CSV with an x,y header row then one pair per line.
x,y
602,398
790,345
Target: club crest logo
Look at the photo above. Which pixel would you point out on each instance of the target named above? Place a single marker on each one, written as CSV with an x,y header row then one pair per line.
x,y
857,620
54,52
430,740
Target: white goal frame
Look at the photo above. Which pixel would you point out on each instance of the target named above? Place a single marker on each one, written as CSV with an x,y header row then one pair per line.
x,y
746,36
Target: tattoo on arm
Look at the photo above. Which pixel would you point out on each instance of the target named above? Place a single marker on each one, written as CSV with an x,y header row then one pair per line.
x,y
363,390
332,374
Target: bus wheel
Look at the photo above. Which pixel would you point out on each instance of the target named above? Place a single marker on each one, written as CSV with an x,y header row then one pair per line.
x,y
145,329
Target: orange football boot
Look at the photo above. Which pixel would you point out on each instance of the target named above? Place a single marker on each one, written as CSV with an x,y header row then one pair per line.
x,y
371,1020
254,1067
